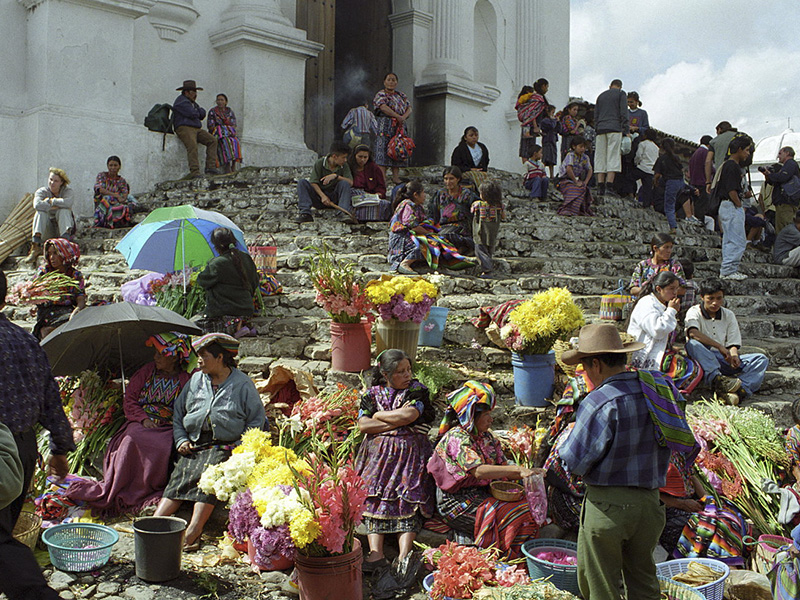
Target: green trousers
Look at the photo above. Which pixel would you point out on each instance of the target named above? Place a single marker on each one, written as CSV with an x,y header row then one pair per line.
x,y
784,214
619,530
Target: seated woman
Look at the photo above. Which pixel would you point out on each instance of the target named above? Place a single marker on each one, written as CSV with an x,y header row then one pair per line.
x,y
210,415
52,202
661,247
60,256
653,320
412,237
112,199
574,176
465,461
368,178
472,157
230,281
449,210
136,464
394,416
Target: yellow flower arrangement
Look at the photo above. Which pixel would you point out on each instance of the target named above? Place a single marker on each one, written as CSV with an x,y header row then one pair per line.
x,y
535,325
402,298
303,527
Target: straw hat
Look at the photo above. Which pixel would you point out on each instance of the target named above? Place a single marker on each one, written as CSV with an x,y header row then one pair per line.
x,y
598,338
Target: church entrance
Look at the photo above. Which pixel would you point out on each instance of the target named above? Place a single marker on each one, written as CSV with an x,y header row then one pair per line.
x,y
349,71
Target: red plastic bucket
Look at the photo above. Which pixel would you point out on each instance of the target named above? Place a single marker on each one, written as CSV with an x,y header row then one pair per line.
x,y
330,577
351,346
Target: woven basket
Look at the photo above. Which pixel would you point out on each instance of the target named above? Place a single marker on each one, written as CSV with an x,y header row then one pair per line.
x,y
27,528
560,346
265,257
713,590
764,555
678,591
506,490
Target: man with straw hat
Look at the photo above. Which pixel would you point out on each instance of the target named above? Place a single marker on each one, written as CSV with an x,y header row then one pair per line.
x,y
188,122
625,430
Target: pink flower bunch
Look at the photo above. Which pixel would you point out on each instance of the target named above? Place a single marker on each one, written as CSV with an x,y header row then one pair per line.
x,y
513,338
521,441
344,308
87,416
558,558
511,576
339,411
48,287
709,429
397,308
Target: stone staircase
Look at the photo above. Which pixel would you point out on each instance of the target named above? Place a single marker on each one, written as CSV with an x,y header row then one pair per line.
x,y
537,249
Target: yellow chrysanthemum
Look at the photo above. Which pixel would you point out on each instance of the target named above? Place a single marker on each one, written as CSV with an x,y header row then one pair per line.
x,y
303,528
547,316
381,291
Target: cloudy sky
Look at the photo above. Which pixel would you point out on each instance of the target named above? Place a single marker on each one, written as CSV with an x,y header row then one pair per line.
x,y
694,62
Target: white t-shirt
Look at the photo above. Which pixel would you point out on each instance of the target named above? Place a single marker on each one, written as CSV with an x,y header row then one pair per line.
x,y
477,154
646,156
651,323
724,329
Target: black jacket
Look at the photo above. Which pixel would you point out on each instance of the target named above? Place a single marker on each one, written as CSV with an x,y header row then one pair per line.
x,y
462,158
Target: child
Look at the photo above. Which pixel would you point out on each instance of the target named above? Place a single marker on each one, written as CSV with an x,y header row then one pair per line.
x,y
535,179
486,216
569,126
668,167
550,128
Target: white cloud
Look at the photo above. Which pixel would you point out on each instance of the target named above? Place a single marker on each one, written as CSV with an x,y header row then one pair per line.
x,y
693,63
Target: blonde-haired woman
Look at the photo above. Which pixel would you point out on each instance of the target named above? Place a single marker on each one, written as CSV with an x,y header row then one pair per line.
x,y
53,203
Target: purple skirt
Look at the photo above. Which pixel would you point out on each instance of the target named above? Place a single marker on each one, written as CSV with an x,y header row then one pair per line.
x,y
394,468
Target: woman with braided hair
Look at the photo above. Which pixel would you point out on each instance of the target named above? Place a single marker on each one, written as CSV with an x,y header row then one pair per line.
x,y
230,281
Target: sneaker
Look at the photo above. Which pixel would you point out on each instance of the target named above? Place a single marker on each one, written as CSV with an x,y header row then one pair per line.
x,y
304,218
731,399
694,220
727,385
735,276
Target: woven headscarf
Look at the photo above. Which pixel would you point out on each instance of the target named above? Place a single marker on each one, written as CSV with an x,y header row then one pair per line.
x,y
228,342
174,344
68,251
463,403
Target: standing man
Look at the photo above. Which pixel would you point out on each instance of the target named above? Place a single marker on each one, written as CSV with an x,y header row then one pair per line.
x,y
30,396
188,122
625,430
718,151
731,212
611,123
785,207
697,178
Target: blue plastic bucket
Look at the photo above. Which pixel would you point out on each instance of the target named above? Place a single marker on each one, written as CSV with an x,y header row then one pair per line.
x,y
431,330
534,377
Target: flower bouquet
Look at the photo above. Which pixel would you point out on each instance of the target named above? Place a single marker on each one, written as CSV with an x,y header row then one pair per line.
x,y
741,447
339,290
402,298
535,325
326,415
266,510
168,292
48,287
461,571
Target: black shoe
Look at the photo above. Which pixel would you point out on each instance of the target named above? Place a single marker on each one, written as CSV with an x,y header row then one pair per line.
x,y
214,172
304,218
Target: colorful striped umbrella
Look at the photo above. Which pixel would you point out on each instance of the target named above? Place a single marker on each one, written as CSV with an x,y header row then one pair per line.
x,y
175,237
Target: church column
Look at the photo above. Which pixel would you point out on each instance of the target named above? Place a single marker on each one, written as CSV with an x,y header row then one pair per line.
x,y
530,36
262,59
411,39
446,38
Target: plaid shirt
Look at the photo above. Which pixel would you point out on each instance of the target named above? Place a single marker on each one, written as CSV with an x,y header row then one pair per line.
x,y
613,442
30,394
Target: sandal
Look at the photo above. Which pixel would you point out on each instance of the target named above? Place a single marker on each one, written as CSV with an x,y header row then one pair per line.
x,y
369,567
193,547
405,270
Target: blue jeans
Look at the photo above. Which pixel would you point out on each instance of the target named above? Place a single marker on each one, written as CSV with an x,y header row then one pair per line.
x,y
671,189
750,373
307,197
734,240
646,189
537,186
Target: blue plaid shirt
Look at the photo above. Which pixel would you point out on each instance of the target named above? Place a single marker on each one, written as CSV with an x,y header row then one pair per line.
x,y
29,392
613,442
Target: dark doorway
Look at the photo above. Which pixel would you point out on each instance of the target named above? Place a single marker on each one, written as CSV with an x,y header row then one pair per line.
x,y
363,53
349,71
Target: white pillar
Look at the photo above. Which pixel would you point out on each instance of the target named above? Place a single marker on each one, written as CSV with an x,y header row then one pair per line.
x,y
530,37
447,33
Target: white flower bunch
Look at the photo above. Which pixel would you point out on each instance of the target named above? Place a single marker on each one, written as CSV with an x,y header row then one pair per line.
x,y
226,479
275,506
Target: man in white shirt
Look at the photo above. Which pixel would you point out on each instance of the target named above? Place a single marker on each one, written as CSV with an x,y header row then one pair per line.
x,y
713,340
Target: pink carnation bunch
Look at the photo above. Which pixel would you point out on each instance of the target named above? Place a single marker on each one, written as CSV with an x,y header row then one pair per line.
x,y
401,310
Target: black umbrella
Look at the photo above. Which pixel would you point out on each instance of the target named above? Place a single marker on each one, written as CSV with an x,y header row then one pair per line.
x,y
101,337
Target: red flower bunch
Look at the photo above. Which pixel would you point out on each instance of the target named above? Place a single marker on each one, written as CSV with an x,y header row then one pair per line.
x,y
461,570
329,414
721,473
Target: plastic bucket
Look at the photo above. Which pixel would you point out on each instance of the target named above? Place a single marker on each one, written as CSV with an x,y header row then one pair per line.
x,y
431,330
400,335
330,577
351,346
534,377
158,543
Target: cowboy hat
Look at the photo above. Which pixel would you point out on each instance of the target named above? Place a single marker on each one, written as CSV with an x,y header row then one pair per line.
x,y
598,338
189,84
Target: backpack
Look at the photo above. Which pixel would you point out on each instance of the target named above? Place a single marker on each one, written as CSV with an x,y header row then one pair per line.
x,y
159,119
